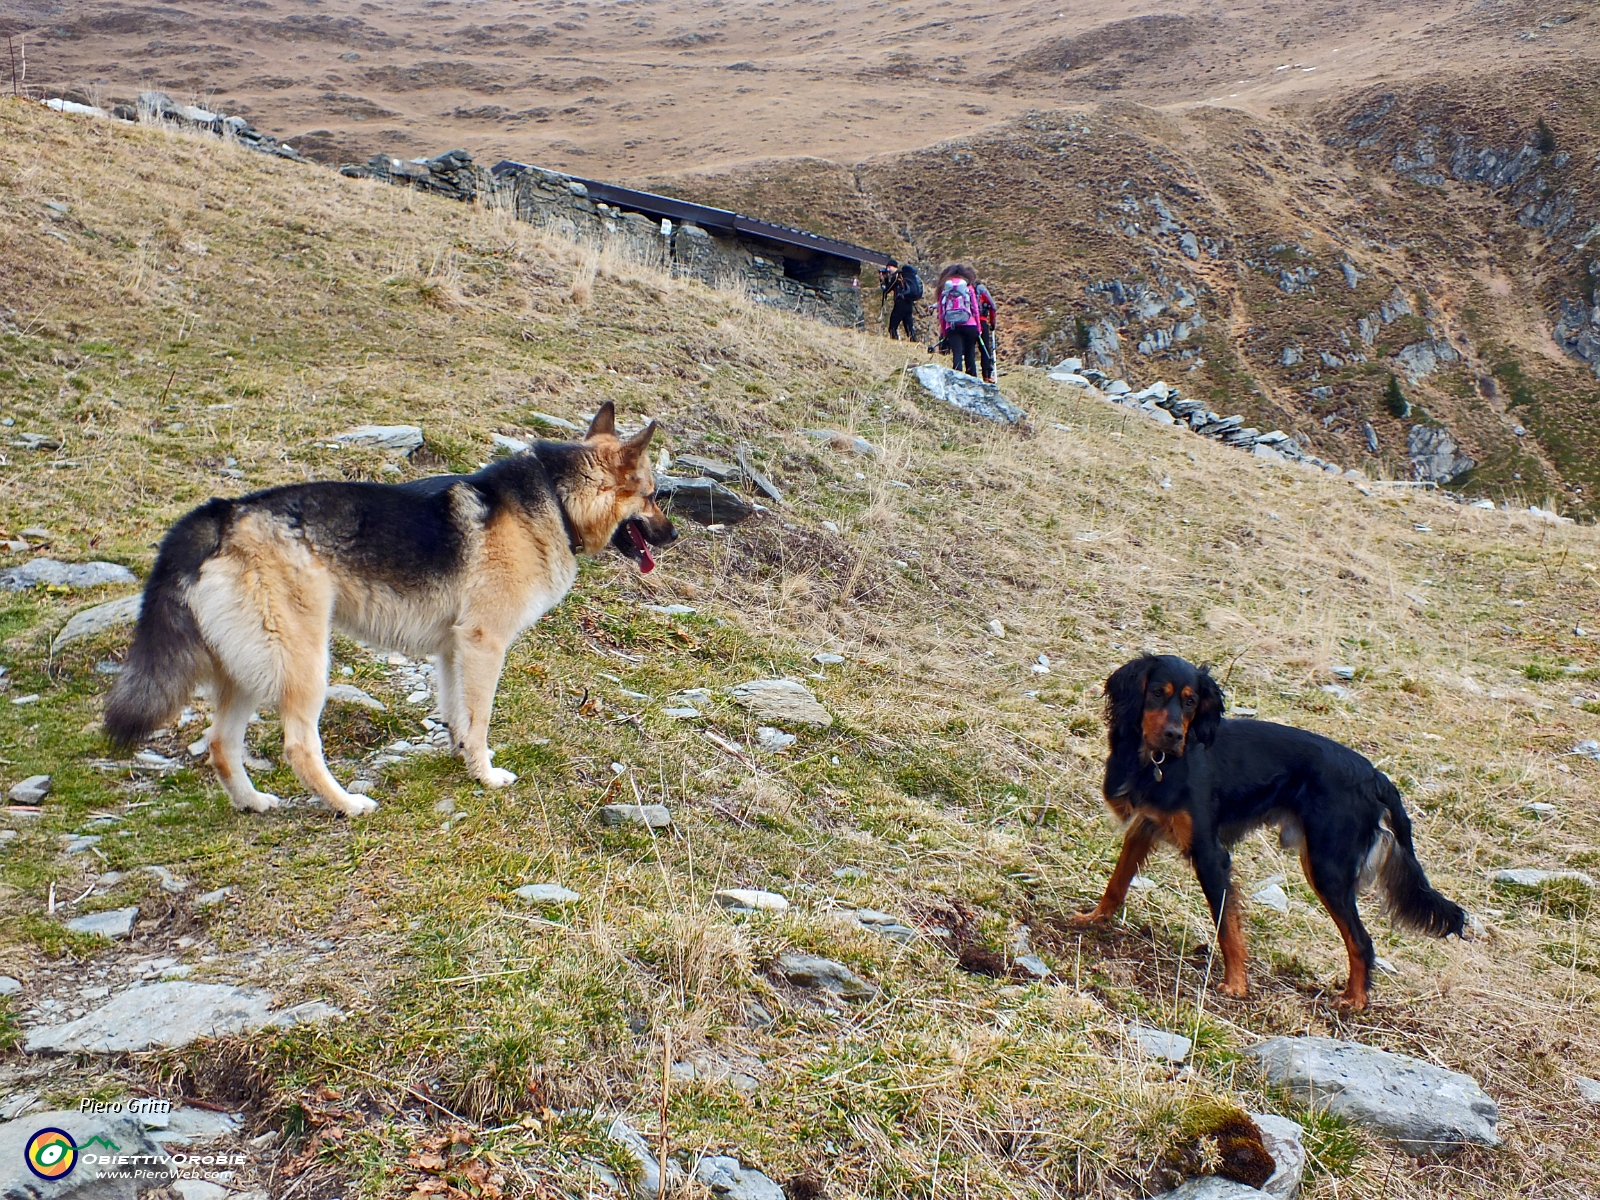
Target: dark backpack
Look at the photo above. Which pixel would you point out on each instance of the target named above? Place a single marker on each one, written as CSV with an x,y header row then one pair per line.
x,y
912,284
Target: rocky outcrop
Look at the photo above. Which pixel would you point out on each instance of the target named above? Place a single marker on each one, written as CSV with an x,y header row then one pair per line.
x,y
1434,454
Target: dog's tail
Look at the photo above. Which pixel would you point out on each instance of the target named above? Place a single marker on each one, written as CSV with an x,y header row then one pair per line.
x,y
1411,899
168,656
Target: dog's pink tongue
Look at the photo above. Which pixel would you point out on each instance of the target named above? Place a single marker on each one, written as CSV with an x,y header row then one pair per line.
x,y
647,560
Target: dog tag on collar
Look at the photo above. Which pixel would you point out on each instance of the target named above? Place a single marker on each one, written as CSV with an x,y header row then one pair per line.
x,y
1155,766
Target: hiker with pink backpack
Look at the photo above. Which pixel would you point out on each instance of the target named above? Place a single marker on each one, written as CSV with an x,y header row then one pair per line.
x,y
956,306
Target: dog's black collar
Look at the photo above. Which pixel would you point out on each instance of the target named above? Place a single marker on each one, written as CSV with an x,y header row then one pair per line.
x,y
574,542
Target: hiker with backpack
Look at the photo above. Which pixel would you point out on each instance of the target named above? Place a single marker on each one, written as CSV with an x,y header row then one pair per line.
x,y
986,322
957,309
904,284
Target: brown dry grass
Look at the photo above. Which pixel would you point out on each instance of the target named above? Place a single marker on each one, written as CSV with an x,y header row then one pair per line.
x,y
964,781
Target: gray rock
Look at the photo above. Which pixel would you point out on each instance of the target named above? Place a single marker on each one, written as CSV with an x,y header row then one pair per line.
x,y
807,970
1034,965
59,574
9,986
1285,1141
1159,1044
1428,1110
88,1180
881,923
31,790
781,701
1434,454
102,617
348,693
726,1176
633,1142
169,1015
175,884
117,923
1533,877
750,900
970,395
192,1126
702,500
773,740
1540,809
395,439
655,816
1589,1089
1273,896
1189,245
1212,1187
547,893
1421,359
850,874
210,899
197,1189
712,468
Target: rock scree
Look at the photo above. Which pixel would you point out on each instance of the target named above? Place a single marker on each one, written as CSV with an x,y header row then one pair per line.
x,y
168,1015
1428,1110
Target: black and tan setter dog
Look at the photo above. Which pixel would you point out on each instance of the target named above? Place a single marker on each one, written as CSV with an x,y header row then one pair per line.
x,y
1179,773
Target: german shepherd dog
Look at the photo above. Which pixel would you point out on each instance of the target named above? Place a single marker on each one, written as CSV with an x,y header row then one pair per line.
x,y
1179,773
245,594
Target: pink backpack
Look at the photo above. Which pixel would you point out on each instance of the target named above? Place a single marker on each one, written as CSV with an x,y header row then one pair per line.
x,y
956,304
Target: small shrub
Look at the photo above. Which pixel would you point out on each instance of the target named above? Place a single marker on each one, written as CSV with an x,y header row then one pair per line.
x,y
1394,399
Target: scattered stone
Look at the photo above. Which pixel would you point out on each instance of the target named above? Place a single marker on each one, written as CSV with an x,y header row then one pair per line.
x,y
750,900
672,610
1342,672
881,923
851,874
9,986
781,700
547,893
1285,1141
116,923
1433,451
826,659
170,1015
1540,809
77,844
681,714
1159,1044
1588,748
774,740
1430,1111
1212,1187
997,629
969,395
1272,895
1034,965
725,1176
31,790
633,1142
712,468
348,693
102,617
702,500
756,1015
1533,877
809,971
1589,1089
210,899
59,574
88,1179
847,443
196,1189
762,484
393,439
169,882
655,816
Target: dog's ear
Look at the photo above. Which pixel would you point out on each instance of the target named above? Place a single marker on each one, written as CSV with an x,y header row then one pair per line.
x,y
1125,698
634,447
1208,711
605,422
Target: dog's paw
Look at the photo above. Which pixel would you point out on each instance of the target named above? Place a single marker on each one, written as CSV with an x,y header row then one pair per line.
x,y
498,777
358,806
1085,920
1233,991
257,802
1473,929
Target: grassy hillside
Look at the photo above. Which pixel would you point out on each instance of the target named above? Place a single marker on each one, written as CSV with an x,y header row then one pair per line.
x,y
188,320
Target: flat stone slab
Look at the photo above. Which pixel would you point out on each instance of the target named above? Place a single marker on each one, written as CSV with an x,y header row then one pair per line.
x,y
102,617
9,986
971,396
1428,1110
349,693
167,1015
31,790
726,1176
116,923
702,499
655,816
807,970
750,900
1589,1089
92,1133
1285,1141
1212,1187
397,439
59,574
547,893
780,701
1159,1044
1533,877
193,1127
